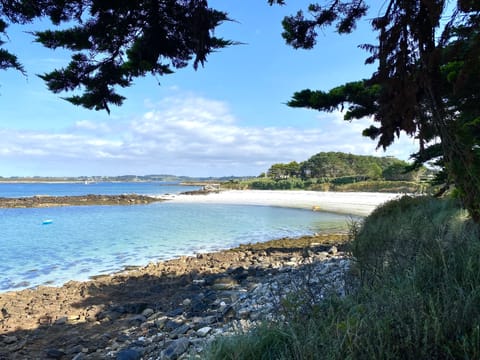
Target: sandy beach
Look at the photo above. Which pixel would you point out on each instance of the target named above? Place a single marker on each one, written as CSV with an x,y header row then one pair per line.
x,y
354,203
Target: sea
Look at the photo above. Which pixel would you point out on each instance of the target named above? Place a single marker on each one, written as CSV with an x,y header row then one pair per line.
x,y
50,246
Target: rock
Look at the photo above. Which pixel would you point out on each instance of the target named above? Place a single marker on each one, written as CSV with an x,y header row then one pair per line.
x,y
54,353
175,349
186,302
225,283
228,312
61,321
148,312
137,319
129,354
139,343
333,250
148,324
75,350
17,345
9,339
160,322
171,325
73,318
204,321
181,330
239,273
197,308
134,308
175,312
122,338
244,313
79,356
5,314
204,331
322,255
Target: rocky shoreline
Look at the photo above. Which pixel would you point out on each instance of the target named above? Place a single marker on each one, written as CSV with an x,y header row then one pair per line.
x,y
51,201
171,309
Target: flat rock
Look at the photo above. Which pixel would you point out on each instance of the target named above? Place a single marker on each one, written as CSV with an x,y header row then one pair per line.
x,y
9,339
175,349
204,331
129,354
54,353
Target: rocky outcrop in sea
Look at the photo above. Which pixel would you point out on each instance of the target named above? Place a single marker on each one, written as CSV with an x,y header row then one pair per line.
x,y
91,199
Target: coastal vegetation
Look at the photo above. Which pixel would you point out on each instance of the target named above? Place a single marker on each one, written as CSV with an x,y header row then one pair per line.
x,y
337,171
415,286
425,85
413,294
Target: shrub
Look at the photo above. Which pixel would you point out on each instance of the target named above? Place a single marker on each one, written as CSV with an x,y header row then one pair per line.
x,y
418,298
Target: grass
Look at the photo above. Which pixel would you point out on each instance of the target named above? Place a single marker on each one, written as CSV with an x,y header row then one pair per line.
x,y
417,265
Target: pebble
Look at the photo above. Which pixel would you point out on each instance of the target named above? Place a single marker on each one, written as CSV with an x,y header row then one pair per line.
x,y
9,339
129,354
175,349
55,353
204,331
186,302
148,312
223,305
79,356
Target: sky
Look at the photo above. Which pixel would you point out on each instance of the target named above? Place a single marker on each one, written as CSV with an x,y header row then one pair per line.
x,y
228,118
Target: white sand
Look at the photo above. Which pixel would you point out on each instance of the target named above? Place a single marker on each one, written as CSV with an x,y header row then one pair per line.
x,y
355,203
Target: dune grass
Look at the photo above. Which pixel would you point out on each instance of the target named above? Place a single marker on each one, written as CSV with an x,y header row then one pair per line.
x,y
417,294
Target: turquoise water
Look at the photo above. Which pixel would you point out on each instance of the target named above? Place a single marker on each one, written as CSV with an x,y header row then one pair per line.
x,y
100,188
89,240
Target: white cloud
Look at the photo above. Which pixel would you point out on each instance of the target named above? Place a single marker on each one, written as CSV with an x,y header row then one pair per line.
x,y
183,135
87,125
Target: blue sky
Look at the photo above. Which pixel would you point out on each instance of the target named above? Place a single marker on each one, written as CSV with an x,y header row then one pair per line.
x,y
228,118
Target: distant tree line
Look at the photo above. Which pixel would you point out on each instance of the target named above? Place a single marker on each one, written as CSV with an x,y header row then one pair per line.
x,y
343,172
331,166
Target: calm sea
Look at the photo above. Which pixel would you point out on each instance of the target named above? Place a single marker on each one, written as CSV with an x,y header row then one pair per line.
x,y
97,188
84,241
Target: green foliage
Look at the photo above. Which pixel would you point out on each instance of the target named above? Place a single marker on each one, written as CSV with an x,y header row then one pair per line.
x,y
426,84
359,95
399,170
399,231
402,187
269,184
419,297
283,171
115,42
347,180
332,165
7,59
340,172
300,32
264,343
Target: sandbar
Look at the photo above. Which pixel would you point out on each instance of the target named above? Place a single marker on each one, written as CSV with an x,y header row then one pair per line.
x,y
354,203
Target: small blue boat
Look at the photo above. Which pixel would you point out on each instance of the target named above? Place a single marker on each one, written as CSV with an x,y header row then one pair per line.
x,y
46,222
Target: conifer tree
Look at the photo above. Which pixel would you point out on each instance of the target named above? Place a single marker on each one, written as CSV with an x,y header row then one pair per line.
x,y
113,42
427,82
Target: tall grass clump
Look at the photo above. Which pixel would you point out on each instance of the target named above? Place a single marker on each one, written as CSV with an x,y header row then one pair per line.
x,y
417,294
419,270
